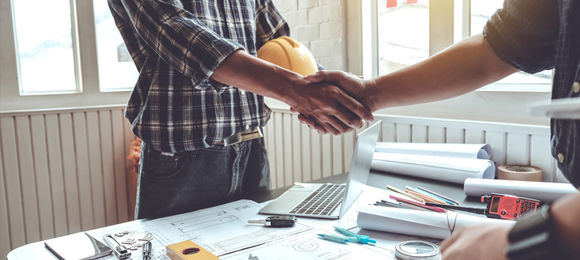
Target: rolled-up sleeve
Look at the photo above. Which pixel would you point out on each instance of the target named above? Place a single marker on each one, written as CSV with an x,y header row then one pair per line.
x,y
524,34
269,23
180,39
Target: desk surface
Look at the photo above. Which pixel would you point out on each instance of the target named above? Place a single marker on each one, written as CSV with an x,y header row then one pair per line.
x,y
376,179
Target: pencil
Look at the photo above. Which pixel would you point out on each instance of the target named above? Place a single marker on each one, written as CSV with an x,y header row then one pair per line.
x,y
437,194
405,194
428,198
402,200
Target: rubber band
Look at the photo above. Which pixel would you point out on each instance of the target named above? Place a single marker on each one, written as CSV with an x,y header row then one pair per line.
x,y
451,229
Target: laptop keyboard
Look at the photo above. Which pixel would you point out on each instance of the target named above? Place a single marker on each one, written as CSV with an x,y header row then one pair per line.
x,y
322,202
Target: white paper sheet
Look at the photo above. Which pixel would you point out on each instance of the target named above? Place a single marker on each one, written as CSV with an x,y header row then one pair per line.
x,y
434,167
419,223
309,246
543,191
220,229
468,151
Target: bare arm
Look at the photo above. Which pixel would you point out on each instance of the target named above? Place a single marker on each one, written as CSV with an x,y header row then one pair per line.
x,y
322,101
457,70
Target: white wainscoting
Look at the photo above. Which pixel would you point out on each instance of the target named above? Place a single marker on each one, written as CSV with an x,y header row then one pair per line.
x,y
64,171
299,154
61,172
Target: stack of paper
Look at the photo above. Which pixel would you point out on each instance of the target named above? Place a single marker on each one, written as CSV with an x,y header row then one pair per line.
x,y
445,162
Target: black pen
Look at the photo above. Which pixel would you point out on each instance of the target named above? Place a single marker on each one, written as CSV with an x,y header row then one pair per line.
x,y
146,250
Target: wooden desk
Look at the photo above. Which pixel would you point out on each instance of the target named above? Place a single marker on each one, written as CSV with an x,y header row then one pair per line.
x,y
377,179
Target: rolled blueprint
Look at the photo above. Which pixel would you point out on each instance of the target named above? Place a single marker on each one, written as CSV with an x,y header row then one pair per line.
x,y
543,191
434,167
468,151
419,223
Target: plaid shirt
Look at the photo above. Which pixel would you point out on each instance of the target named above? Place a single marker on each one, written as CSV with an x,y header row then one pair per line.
x,y
543,34
176,46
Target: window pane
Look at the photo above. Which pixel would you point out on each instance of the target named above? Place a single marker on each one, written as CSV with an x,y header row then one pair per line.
x,y
44,42
403,35
481,11
116,68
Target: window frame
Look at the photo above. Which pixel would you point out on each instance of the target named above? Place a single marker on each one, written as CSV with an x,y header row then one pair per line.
x,y
88,92
443,32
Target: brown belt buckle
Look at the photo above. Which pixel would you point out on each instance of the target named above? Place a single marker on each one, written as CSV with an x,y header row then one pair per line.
x,y
241,136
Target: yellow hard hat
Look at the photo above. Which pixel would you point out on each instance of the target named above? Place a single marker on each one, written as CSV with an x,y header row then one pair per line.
x,y
289,54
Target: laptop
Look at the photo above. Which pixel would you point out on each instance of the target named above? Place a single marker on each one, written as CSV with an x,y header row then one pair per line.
x,y
329,200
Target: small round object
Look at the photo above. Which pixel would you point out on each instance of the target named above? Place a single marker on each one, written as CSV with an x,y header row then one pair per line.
x,y
576,87
503,212
417,250
561,157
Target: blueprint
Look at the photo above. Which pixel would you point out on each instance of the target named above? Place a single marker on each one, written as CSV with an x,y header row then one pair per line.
x,y
219,230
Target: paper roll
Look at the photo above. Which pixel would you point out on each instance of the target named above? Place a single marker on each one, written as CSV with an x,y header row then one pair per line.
x,y
519,173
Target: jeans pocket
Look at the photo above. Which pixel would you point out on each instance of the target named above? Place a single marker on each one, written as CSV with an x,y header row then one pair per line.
x,y
159,166
261,144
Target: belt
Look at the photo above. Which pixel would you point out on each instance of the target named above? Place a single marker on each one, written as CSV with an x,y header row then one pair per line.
x,y
241,136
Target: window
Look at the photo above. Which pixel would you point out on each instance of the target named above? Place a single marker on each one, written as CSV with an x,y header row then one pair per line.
x,y
481,11
391,38
62,53
403,37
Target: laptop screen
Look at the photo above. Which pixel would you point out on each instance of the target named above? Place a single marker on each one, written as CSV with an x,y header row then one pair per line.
x,y
360,165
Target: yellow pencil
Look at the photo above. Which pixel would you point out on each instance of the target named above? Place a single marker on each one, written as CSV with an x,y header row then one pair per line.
x,y
405,194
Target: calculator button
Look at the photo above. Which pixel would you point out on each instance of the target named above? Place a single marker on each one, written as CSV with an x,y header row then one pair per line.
x,y
515,215
518,201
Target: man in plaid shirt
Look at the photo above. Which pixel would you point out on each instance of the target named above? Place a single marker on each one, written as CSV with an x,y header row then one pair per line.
x,y
200,84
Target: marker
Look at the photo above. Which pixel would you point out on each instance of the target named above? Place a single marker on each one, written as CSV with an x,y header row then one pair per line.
x,y
337,239
405,194
354,237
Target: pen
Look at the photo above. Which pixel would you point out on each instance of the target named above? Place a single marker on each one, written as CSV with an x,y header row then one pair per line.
x,y
354,237
334,238
405,194
388,204
437,194
417,204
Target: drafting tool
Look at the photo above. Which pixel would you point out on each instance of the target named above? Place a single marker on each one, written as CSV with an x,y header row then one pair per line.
x,y
425,196
120,250
354,237
147,250
417,250
499,206
438,195
405,194
389,204
276,221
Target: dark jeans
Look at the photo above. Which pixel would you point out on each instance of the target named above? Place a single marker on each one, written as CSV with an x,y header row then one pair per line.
x,y
183,182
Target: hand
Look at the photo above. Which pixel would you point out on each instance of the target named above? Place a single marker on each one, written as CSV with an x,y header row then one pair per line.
x,y
329,105
352,85
476,242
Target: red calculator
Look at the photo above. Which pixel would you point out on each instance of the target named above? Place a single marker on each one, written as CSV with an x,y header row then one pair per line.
x,y
508,206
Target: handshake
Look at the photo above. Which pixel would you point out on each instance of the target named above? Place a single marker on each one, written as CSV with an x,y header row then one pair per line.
x,y
339,103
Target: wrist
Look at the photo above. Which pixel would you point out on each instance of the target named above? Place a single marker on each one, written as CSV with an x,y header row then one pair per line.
x,y
282,85
532,237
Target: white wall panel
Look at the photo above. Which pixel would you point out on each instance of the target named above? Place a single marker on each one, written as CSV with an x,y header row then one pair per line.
x,y
518,149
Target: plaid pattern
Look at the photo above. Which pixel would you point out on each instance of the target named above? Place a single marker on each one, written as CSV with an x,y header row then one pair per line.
x,y
176,45
543,34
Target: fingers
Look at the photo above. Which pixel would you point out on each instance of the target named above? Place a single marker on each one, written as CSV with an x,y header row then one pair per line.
x,y
327,75
355,107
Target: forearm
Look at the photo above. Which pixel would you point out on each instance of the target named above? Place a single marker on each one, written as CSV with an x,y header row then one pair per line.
x,y
566,215
249,73
462,68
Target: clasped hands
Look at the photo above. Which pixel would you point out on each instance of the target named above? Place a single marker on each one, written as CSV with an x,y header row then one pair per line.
x,y
352,98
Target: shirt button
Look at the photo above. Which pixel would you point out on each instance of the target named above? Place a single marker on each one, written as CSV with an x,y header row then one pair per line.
x,y
561,158
231,25
576,87
247,127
